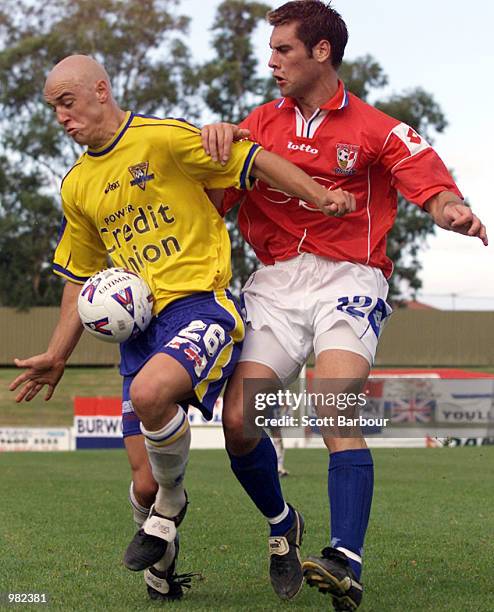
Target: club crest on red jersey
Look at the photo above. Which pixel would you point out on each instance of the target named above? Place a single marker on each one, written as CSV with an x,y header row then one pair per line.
x,y
140,175
346,156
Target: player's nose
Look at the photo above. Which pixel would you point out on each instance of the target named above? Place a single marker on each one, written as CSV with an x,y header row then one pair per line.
x,y
273,60
62,117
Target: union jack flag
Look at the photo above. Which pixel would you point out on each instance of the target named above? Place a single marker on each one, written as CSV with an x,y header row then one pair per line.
x,y
415,409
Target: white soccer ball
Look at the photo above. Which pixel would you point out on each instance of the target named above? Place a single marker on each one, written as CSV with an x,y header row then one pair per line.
x,y
343,154
115,305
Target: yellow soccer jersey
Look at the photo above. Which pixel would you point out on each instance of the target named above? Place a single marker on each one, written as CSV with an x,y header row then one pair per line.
x,y
140,199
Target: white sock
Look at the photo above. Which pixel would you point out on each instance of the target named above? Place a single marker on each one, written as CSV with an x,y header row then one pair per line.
x,y
168,451
140,515
140,512
164,563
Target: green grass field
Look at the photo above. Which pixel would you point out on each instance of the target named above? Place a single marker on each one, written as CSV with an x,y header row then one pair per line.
x,y
65,523
59,411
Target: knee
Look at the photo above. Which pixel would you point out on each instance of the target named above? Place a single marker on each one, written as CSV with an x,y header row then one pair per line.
x,y
236,440
144,486
241,436
144,397
232,425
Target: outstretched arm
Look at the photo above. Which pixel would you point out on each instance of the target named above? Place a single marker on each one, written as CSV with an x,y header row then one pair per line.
x,y
287,177
217,139
451,213
47,368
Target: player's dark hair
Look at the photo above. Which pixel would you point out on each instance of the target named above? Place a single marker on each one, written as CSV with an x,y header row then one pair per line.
x,y
316,21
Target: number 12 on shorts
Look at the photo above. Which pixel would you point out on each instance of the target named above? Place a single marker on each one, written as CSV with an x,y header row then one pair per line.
x,y
364,307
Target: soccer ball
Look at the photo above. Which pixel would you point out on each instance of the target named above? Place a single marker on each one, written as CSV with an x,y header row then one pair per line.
x,y
115,305
343,155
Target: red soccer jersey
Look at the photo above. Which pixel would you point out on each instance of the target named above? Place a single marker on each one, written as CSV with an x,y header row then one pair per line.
x,y
347,144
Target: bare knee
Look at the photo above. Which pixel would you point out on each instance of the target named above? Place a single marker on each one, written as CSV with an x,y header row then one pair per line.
x,y
143,397
241,433
233,428
144,486
156,389
237,440
152,402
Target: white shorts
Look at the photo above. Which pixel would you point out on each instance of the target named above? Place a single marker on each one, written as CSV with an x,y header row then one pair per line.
x,y
311,303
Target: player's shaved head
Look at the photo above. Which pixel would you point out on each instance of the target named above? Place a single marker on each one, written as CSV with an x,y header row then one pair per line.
x,y
78,90
79,70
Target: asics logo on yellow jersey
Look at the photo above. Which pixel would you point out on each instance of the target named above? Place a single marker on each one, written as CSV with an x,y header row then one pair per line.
x,y
112,186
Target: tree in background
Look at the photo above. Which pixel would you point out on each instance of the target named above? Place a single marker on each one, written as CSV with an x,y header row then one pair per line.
x,y
27,222
140,44
232,89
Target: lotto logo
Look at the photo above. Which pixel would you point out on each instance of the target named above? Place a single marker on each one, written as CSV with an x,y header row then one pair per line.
x,y
302,147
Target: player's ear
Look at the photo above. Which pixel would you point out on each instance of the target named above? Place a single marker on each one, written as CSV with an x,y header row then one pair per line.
x,y
102,90
322,51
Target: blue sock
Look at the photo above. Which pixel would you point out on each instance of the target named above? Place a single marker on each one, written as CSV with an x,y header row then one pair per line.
x,y
350,487
257,472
